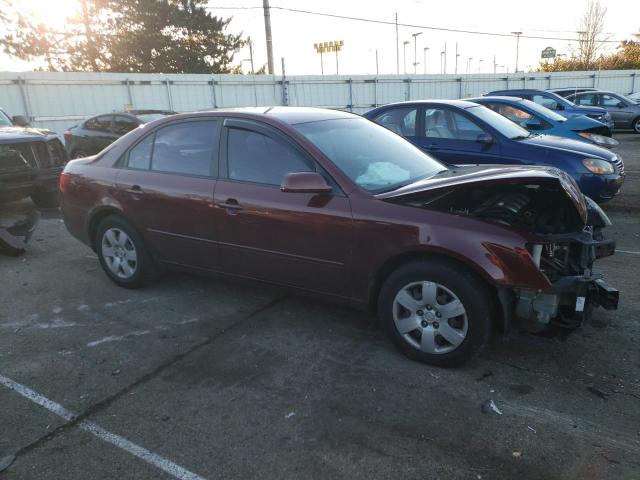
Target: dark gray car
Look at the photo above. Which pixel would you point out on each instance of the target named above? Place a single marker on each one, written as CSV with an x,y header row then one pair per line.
x,y
624,111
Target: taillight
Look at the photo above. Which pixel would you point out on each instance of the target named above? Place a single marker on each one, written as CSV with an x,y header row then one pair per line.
x,y
64,181
67,135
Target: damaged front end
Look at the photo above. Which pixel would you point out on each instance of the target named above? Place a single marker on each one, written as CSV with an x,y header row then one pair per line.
x,y
562,232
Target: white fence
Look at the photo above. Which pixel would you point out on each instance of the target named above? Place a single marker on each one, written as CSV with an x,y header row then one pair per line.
x,y
59,100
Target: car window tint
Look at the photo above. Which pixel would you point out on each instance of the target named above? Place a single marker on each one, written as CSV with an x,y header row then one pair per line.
x,y
140,155
610,101
254,157
443,123
545,101
99,124
185,148
399,120
588,99
122,125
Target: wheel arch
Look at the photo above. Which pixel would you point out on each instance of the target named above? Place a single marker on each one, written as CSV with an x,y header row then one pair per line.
x,y
397,261
96,217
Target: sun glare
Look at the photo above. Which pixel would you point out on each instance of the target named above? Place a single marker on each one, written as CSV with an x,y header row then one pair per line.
x,y
53,13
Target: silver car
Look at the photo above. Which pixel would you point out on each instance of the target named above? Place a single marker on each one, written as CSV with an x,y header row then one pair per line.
x,y
624,111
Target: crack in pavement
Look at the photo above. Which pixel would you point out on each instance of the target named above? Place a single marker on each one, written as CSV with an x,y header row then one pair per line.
x,y
106,402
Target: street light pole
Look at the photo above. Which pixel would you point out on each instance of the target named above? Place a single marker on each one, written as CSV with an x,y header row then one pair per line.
x,y
251,53
445,58
469,64
404,54
377,71
397,47
479,64
267,31
457,55
415,51
517,34
425,59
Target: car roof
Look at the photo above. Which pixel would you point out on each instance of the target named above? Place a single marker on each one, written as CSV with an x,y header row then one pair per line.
x,y
464,104
503,98
598,91
287,115
524,90
571,88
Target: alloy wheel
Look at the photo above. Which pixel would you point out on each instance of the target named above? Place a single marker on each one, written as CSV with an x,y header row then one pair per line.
x,y
430,317
119,253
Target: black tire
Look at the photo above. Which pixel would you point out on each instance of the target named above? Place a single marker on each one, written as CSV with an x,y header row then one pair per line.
x,y
144,272
466,286
46,198
636,125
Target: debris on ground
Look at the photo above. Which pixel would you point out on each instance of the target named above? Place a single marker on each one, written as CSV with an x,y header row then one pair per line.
x,y
115,372
532,429
516,454
599,393
290,414
489,406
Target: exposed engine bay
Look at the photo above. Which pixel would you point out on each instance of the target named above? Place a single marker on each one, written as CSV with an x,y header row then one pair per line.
x,y
542,207
565,253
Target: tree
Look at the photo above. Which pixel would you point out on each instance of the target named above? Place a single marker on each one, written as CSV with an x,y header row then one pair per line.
x,y
591,34
155,36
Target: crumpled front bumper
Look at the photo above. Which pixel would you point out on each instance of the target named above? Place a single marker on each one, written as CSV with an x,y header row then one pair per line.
x,y
16,231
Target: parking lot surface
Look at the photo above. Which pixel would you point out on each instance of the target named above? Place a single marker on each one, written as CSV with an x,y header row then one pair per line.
x,y
199,378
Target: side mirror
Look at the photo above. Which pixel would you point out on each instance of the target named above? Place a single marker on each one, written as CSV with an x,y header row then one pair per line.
x,y
21,120
620,105
559,106
305,182
484,138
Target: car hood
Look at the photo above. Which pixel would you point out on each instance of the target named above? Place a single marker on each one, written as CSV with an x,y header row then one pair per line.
x,y
582,110
581,122
567,144
465,176
13,134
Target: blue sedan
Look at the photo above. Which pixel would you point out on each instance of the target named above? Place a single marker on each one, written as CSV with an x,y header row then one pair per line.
x,y
461,132
539,119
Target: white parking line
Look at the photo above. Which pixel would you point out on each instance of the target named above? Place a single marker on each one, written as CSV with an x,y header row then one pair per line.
x,y
628,252
142,453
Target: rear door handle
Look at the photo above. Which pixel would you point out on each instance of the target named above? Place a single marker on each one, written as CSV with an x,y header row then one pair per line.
x,y
231,204
134,189
433,146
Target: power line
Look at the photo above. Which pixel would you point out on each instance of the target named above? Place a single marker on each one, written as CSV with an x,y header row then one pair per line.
x,y
410,25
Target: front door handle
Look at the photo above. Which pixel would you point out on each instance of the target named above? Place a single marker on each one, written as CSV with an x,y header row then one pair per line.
x,y
433,146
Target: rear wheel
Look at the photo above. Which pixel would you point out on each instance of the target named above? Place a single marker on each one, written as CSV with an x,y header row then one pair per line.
x,y
46,198
636,125
123,254
79,154
436,312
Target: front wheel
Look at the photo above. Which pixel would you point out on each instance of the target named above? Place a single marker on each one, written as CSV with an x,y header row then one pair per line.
x,y
123,254
636,125
436,312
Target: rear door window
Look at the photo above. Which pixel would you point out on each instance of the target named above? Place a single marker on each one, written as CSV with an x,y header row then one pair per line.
x,y
550,103
588,99
99,124
187,148
399,120
444,123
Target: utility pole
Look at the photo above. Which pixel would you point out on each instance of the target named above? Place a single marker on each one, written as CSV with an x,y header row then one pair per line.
x,y
397,48
517,34
251,53
267,31
457,55
404,54
445,58
415,51
425,59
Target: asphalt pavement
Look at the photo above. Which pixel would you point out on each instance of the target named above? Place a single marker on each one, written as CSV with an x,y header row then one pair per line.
x,y
196,378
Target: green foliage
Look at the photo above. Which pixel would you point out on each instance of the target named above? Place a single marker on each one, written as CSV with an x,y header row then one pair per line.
x,y
154,36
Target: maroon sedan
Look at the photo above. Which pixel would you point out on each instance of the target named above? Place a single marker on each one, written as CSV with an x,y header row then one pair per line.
x,y
331,204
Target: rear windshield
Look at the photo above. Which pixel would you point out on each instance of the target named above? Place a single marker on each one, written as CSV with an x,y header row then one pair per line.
x,y
543,111
5,121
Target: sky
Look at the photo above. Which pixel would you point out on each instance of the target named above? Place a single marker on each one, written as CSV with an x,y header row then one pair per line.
x,y
295,33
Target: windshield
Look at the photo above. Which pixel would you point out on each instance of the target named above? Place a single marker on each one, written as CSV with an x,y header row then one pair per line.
x,y
543,111
503,125
375,158
5,121
150,117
